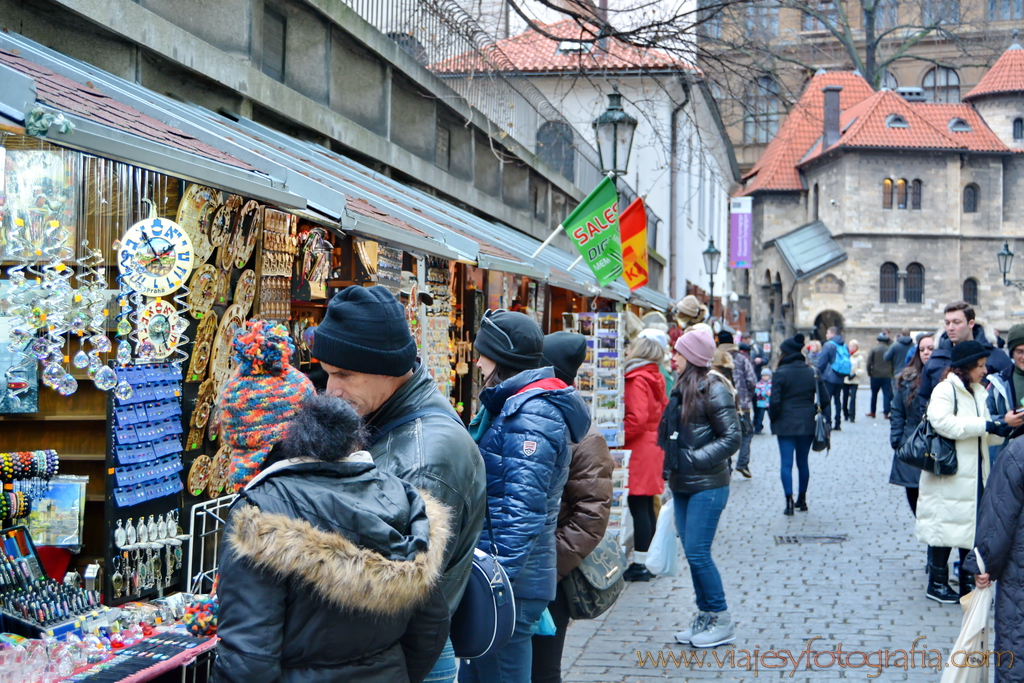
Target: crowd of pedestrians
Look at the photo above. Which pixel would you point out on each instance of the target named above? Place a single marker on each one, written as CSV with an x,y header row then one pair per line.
x,y
363,510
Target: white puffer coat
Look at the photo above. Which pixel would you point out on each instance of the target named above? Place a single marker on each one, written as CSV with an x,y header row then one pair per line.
x,y
947,506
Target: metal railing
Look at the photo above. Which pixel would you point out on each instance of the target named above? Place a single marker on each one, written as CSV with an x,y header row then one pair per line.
x,y
446,40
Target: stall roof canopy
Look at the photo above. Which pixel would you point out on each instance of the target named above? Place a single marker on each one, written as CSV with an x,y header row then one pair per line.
x,y
120,119
809,249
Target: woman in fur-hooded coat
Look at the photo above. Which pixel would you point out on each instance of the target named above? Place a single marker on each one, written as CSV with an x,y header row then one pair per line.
x,y
329,566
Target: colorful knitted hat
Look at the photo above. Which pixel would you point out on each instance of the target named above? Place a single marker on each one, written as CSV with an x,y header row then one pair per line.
x,y
261,398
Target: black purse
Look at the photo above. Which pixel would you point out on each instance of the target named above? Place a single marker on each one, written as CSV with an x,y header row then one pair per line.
x,y
927,450
822,429
592,588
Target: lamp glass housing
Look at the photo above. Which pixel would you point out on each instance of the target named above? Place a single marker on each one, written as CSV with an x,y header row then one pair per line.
x,y
1005,258
711,256
614,130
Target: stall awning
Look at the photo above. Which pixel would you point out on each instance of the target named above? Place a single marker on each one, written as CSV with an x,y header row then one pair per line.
x,y
809,249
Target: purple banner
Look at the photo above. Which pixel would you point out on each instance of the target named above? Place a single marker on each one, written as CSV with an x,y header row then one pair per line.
x,y
741,240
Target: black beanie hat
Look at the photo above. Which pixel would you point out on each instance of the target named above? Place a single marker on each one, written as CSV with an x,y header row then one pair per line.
x,y
512,340
365,331
565,351
966,354
793,345
725,337
744,346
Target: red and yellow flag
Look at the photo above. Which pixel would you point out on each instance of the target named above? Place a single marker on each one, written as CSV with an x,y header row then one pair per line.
x,y
633,231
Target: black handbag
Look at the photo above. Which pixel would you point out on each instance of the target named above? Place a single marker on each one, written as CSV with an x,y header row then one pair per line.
x,y
927,450
486,616
593,587
822,429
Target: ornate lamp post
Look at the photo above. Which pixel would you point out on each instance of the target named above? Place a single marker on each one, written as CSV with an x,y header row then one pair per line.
x,y
1005,259
711,256
614,129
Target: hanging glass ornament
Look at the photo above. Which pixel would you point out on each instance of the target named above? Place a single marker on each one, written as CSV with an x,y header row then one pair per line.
x,y
101,343
106,379
19,337
81,359
123,390
68,386
53,375
40,348
146,351
124,353
124,327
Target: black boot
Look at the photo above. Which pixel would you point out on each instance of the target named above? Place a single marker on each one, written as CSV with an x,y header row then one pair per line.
x,y
801,502
938,586
966,581
789,506
636,572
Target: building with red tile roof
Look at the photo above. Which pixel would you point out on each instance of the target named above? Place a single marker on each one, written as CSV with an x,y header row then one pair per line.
x,y
874,210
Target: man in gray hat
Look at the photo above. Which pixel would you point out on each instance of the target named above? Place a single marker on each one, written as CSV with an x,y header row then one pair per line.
x,y
880,371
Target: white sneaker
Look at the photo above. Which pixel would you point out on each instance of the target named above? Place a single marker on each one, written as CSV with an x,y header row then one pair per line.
x,y
718,631
699,623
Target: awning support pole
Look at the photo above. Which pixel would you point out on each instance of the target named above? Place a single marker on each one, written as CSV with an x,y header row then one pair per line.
x,y
575,263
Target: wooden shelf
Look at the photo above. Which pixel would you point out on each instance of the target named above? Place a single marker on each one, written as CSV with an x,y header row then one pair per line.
x,y
35,417
95,497
100,457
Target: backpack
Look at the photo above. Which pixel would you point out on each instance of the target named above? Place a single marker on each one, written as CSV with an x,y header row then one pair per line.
x,y
842,365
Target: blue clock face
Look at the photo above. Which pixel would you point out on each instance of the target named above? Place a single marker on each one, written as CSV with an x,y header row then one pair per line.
x,y
156,257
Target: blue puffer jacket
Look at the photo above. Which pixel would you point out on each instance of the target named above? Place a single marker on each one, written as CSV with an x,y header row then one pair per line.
x,y
526,453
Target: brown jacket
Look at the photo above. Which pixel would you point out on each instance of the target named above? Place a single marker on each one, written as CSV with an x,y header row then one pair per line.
x,y
586,502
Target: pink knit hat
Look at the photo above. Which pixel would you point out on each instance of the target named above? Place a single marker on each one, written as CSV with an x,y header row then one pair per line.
x,y
697,347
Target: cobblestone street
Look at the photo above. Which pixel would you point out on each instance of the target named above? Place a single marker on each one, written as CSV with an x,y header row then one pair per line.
x,y
866,593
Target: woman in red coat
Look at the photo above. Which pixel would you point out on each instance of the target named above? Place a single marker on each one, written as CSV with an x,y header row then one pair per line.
x,y
645,402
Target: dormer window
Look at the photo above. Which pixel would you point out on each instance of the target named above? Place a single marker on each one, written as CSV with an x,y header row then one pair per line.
x,y
959,126
896,121
573,47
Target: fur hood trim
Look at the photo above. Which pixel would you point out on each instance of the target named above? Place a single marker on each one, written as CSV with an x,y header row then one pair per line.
x,y
341,572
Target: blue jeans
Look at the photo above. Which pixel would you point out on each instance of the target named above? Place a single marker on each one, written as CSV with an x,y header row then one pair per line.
x,y
801,446
514,662
444,670
883,384
697,516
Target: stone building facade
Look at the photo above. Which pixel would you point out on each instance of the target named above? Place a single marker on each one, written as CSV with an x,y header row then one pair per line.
x,y
872,212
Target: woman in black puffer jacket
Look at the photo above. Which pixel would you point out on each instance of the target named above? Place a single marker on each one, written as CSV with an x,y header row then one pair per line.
x,y
699,432
905,416
792,411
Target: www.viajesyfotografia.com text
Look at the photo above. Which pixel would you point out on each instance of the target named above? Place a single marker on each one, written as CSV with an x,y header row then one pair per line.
x,y
810,659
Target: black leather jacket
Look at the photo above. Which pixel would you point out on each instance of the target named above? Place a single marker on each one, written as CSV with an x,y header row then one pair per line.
x,y
698,446
436,454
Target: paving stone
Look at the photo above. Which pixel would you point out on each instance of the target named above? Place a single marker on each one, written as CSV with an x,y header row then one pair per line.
x,y
866,593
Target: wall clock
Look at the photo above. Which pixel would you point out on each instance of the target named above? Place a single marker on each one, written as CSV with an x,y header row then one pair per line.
x,y
247,228
203,348
155,257
195,214
221,363
224,220
245,291
161,327
203,290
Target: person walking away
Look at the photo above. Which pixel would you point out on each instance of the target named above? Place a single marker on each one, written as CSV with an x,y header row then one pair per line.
x,y
881,371
645,401
906,416
586,506
834,366
527,421
1006,389
699,432
852,382
723,361
665,367
362,600
762,399
812,351
899,353
947,505
796,389
744,380
365,346
1000,540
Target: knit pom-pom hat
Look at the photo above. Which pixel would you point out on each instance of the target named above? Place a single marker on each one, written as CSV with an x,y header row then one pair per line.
x,y
261,398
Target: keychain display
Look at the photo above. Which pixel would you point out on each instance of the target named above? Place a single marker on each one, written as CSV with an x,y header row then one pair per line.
x,y
389,268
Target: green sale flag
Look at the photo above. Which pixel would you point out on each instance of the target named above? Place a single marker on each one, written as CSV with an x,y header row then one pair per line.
x,y
594,229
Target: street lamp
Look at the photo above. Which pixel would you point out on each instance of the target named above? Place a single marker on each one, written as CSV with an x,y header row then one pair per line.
x,y
711,256
614,129
1005,258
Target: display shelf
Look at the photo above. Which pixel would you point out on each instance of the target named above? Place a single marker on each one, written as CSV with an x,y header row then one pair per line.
x,y
33,417
100,457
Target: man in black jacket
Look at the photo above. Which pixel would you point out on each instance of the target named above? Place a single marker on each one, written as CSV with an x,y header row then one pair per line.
x,y
365,346
897,353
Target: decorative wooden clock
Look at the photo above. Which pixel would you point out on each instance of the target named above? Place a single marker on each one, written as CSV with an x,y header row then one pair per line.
x,y
163,251
160,326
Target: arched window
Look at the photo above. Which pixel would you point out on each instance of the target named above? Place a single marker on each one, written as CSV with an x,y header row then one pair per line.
x,y
1018,129
941,84
555,146
763,106
971,291
971,198
814,204
886,194
914,288
901,194
915,195
887,287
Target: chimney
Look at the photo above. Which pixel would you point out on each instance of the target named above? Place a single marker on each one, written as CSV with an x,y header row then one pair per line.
x,y
831,114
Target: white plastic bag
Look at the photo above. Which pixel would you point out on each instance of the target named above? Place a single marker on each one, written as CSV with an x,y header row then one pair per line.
x,y
663,555
973,638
